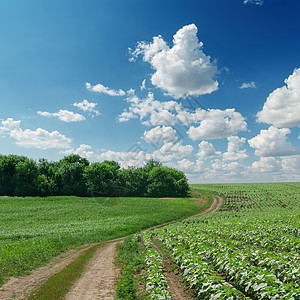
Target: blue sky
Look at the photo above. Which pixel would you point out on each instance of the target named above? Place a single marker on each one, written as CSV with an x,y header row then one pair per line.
x,y
210,87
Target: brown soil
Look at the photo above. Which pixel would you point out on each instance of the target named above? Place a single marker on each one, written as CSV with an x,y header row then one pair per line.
x,y
217,203
20,288
99,279
172,273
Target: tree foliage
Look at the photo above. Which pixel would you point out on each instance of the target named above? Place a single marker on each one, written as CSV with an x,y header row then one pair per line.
x,y
74,175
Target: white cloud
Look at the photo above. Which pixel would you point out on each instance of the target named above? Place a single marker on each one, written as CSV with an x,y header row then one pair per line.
x,y
170,151
182,70
233,150
99,88
162,117
143,86
247,85
272,142
87,106
265,165
83,150
126,116
283,105
160,134
63,115
38,138
187,118
207,150
185,165
214,123
217,124
256,2
220,171
120,156
149,110
291,165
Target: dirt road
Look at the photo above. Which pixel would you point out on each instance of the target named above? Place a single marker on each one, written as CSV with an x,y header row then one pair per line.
x,y
21,287
98,280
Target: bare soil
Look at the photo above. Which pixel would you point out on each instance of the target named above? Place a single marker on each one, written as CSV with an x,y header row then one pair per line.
x,y
100,277
20,288
217,203
172,273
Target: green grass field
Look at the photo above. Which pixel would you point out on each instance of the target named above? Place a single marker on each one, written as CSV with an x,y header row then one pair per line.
x,y
33,230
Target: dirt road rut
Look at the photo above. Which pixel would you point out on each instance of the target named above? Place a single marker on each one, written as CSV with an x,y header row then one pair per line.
x,y
99,279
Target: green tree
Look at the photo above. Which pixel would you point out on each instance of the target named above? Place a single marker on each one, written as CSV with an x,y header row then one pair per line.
x,y
25,178
134,180
69,179
167,182
102,179
46,179
8,165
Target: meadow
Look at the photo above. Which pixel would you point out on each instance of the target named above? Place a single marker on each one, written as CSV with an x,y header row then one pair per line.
x,y
33,230
249,249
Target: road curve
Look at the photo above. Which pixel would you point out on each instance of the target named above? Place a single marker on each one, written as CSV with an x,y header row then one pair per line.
x,y
20,288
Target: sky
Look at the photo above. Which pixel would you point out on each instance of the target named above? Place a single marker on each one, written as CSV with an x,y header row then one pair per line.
x,y
210,87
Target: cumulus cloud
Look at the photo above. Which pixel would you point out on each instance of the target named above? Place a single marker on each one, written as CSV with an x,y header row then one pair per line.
x,y
213,123
189,166
256,2
182,70
220,171
99,88
247,85
283,105
63,115
186,165
233,149
266,165
38,138
207,150
160,134
187,118
87,106
126,116
272,142
217,124
291,166
83,150
149,110
170,151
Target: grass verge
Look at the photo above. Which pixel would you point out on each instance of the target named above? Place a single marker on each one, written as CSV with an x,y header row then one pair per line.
x,y
59,284
131,260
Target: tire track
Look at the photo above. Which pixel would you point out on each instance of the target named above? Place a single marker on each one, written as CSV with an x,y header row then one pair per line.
x,y
100,277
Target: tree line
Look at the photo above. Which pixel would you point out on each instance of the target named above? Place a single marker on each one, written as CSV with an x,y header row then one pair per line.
x,y
75,175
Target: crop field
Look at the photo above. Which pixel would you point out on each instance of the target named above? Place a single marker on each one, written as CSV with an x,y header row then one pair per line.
x,y
250,249
239,197
33,230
